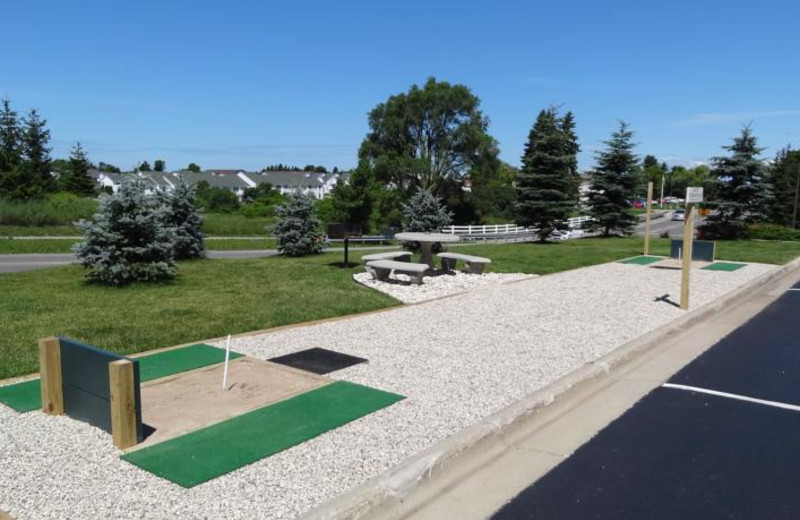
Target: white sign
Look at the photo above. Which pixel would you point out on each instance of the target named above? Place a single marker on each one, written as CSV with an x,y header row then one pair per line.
x,y
694,194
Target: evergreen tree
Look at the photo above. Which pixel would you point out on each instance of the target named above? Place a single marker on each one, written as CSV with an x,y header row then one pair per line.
x,y
546,184
425,213
353,201
186,223
743,194
10,137
572,149
784,180
127,240
31,178
297,228
77,179
613,184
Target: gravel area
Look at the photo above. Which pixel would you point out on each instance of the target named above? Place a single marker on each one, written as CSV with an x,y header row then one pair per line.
x,y
400,286
457,360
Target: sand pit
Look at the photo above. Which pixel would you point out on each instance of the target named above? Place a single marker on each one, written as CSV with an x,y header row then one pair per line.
x,y
188,401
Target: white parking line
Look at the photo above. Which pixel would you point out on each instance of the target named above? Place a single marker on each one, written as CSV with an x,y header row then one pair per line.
x,y
738,397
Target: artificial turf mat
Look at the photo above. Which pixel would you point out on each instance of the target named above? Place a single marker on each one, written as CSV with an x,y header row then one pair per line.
x,y
26,396
22,397
723,266
318,360
208,453
642,260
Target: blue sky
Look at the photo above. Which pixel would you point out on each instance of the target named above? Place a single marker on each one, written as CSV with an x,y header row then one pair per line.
x,y
244,84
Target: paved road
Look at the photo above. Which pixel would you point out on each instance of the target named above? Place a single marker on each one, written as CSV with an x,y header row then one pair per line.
x,y
720,439
666,224
16,263
21,262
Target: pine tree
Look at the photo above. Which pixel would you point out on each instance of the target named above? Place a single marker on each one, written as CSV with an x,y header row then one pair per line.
x,y
127,240
353,201
784,180
743,194
425,213
297,228
10,135
77,180
32,176
613,184
186,223
572,149
546,184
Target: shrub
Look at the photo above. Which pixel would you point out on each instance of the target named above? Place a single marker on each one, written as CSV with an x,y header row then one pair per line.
x,y
425,213
186,224
257,209
128,239
297,229
771,232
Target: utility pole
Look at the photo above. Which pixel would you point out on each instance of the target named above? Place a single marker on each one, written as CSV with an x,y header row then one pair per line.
x,y
662,190
796,193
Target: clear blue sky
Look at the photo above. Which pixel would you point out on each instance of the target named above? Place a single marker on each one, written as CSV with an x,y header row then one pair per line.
x,y
244,84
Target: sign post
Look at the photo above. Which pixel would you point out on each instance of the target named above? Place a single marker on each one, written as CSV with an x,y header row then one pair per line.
x,y
647,218
693,196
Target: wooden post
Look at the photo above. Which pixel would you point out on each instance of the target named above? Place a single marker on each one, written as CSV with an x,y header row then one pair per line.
x,y
50,372
123,403
688,236
647,219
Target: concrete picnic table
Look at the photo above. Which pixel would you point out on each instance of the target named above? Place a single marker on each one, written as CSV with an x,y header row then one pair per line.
x,y
427,240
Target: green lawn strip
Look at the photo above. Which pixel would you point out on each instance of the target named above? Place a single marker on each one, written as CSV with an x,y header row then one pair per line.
x,y
723,266
26,396
205,454
643,260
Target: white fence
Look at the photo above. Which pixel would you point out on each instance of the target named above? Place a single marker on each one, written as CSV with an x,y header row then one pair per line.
x,y
506,229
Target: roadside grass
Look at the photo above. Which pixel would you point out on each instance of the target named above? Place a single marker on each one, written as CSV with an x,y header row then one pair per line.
x,y
210,298
234,224
38,231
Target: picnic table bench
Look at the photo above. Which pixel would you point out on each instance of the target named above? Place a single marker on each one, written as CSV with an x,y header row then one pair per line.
x,y
399,256
381,269
475,264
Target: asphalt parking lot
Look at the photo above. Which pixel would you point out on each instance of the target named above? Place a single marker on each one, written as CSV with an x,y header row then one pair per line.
x,y
720,439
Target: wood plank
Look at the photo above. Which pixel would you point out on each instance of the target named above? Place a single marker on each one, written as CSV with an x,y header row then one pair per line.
x,y
686,255
50,373
123,403
647,218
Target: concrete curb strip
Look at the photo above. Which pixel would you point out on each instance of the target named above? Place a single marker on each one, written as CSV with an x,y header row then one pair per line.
x,y
392,486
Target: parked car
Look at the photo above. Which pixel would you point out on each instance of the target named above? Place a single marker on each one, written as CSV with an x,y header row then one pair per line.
x,y
679,214
639,204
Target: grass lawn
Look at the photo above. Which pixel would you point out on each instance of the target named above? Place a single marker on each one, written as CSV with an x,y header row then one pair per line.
x,y
571,254
38,231
212,298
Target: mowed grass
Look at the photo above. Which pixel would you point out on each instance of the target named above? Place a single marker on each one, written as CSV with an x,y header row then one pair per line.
x,y
212,298
572,254
209,299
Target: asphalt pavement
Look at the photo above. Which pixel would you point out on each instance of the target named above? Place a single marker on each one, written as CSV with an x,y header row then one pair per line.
x,y
16,263
719,440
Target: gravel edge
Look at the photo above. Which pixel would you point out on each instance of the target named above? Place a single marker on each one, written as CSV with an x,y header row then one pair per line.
x,y
392,486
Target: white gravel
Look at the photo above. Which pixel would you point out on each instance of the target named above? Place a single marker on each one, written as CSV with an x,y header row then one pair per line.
x,y
457,360
400,286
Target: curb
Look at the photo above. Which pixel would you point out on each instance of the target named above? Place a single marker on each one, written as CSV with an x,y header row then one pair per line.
x,y
391,487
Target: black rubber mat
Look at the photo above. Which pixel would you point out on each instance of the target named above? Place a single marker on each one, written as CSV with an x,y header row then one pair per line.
x,y
677,455
318,360
760,359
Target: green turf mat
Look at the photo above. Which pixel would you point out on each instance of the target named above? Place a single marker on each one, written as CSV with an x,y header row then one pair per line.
x,y
205,454
26,396
723,266
179,360
22,397
642,260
